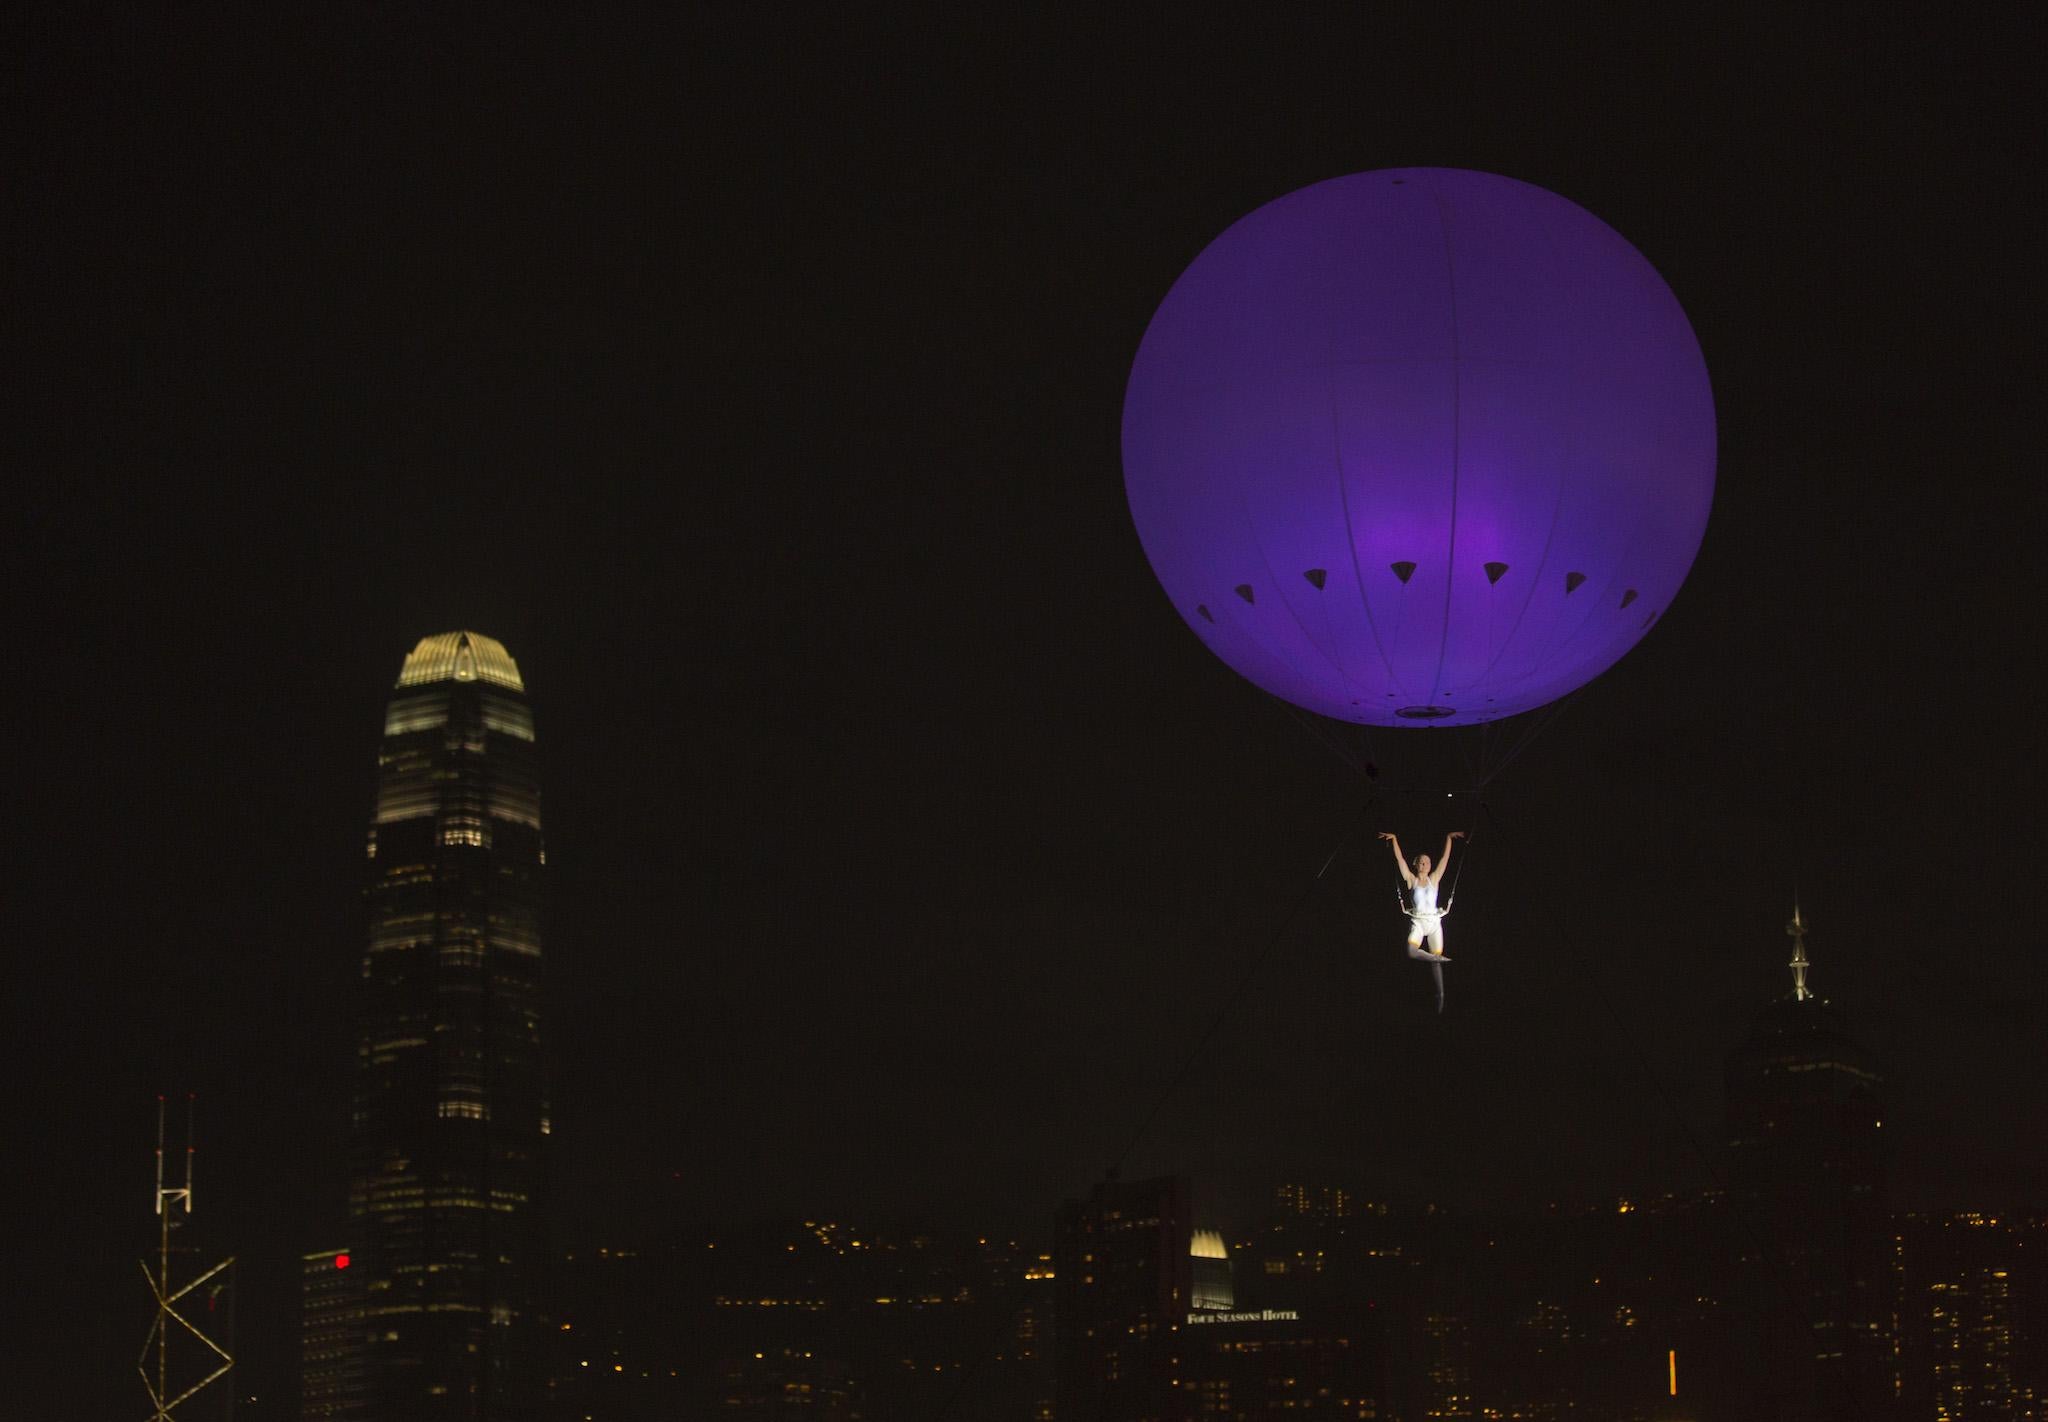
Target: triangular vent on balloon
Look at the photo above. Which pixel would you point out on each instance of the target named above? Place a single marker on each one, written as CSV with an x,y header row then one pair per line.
x,y
1317,577
1495,572
1206,617
1244,590
1628,597
1572,581
1403,570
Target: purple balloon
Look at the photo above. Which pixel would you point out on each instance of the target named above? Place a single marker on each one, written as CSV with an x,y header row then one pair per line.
x,y
1420,446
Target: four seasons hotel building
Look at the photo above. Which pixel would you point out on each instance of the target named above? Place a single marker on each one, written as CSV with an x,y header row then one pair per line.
x,y
450,1123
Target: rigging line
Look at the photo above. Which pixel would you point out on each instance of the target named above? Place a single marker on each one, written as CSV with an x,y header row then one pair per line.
x,y
1531,723
1235,996
1510,746
1004,1323
1008,1320
1329,738
1492,1056
1323,728
1301,718
1346,753
1489,748
1469,752
1365,735
1471,839
1470,748
1549,717
1542,727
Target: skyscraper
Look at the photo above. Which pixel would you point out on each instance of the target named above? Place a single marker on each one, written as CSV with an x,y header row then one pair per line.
x,y
331,1335
447,1204
1124,1283
1807,1175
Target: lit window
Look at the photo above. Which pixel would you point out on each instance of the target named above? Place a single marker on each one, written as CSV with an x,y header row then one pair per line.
x,y
462,829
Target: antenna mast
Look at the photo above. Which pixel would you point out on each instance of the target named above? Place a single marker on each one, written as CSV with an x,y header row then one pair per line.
x,y
182,1362
1799,963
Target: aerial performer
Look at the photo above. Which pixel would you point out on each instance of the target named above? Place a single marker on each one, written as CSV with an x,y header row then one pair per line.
x,y
1419,449
1425,919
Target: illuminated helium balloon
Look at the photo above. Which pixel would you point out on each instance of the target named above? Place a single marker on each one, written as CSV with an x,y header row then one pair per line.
x,y
1420,446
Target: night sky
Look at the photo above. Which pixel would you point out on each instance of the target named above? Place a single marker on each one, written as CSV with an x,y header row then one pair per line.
x,y
755,377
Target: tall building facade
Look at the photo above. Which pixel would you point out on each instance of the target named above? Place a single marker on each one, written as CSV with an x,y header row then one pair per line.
x,y
1806,1173
1121,1260
1964,1342
331,1338
447,1190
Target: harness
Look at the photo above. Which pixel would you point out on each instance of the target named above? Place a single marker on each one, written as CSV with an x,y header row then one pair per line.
x,y
1450,893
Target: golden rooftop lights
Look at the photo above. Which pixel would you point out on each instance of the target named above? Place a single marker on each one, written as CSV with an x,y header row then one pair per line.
x,y
460,656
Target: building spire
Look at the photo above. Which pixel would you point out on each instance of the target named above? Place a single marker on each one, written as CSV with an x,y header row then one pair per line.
x,y
1799,965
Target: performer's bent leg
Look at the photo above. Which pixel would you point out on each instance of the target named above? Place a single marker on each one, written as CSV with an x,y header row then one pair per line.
x,y
1436,945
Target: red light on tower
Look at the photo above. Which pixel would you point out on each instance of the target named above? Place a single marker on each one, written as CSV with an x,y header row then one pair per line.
x,y
341,1261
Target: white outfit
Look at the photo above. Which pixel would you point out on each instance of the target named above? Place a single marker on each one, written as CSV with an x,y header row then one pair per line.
x,y
1425,919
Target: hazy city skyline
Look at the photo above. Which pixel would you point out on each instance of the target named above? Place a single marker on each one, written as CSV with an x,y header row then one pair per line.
x,y
755,379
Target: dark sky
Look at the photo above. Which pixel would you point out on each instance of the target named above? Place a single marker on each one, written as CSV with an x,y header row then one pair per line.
x,y
755,376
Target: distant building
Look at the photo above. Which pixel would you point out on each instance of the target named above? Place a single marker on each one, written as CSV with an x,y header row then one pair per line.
x,y
1963,1340
1155,1325
1280,1344
1123,1285
1324,1204
791,1383
332,1341
811,1314
1272,1364
447,1181
1447,1383
1807,1179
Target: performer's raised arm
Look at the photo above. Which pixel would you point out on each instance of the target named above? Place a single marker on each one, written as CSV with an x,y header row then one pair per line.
x,y
1400,859
1445,862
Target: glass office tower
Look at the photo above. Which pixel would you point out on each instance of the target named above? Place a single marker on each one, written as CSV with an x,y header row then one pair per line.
x,y
447,1192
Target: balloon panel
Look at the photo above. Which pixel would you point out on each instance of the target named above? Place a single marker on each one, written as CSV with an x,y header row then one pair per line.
x,y
1419,441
